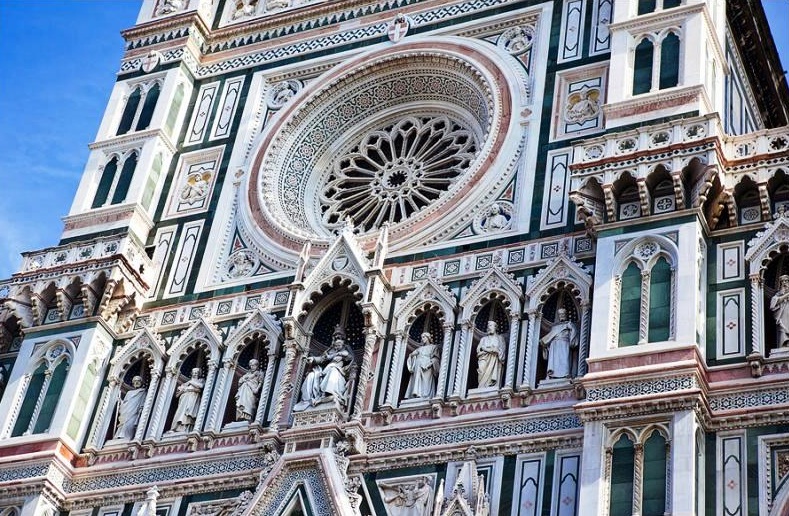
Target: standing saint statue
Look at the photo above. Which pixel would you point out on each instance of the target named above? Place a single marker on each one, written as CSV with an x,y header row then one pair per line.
x,y
327,375
556,345
423,364
249,387
490,357
779,305
129,410
188,394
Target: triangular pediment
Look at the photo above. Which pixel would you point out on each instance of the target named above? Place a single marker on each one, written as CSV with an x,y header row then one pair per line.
x,y
766,242
562,268
312,475
495,280
201,330
258,321
144,340
428,291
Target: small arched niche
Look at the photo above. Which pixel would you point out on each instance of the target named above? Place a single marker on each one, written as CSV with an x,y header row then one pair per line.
x,y
246,392
557,358
422,357
132,392
190,381
489,341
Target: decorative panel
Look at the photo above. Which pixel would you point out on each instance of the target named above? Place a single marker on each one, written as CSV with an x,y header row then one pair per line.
x,y
227,108
194,182
600,37
572,35
163,243
730,262
184,259
580,95
567,467
731,467
557,180
528,488
731,323
202,111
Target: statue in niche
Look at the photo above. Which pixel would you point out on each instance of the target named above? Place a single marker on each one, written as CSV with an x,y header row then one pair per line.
x,y
423,364
249,387
129,410
490,357
408,498
328,374
779,305
188,395
557,343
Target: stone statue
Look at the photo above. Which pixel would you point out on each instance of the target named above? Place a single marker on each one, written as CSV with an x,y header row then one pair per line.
x,y
249,387
327,376
423,364
556,345
408,498
490,357
779,305
170,6
188,395
129,410
496,220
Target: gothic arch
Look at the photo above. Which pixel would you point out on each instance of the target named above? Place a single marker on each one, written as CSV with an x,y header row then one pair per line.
x,y
493,286
202,338
428,297
562,273
259,325
145,348
46,371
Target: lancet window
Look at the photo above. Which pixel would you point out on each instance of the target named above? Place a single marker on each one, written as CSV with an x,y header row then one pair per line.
x,y
650,6
41,389
115,180
139,108
656,60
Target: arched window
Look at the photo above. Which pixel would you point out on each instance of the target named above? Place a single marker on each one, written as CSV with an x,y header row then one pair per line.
x,y
646,6
42,392
105,183
622,464
642,67
669,61
630,307
148,106
127,172
174,108
150,184
660,301
654,476
130,111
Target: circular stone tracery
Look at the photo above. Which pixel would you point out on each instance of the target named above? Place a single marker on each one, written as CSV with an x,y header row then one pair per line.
x,y
404,135
398,170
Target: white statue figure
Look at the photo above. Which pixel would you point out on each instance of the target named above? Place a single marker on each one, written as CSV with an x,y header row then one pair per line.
x,y
779,305
408,499
188,395
496,220
249,387
556,345
327,377
423,364
170,6
129,410
490,357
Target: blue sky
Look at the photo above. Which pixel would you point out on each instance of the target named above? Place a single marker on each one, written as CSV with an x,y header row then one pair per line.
x,y
58,64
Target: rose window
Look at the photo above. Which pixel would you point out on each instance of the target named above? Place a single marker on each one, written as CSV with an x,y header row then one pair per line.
x,y
396,171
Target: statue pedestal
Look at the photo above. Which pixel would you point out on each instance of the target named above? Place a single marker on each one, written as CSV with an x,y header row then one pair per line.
x,y
553,382
482,391
327,412
779,353
236,425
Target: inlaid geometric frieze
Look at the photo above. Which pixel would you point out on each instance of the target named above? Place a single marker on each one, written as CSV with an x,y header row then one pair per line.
x,y
752,399
641,388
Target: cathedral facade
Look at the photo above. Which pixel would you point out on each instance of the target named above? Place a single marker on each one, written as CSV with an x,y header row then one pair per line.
x,y
415,258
